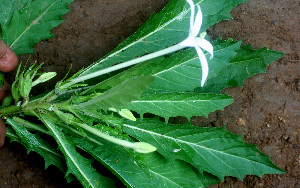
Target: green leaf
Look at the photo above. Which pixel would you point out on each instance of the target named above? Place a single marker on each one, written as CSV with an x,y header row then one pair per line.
x,y
186,75
77,164
157,172
246,63
119,95
33,24
168,27
31,126
178,73
121,161
108,119
176,173
14,137
214,150
34,143
11,133
179,104
7,9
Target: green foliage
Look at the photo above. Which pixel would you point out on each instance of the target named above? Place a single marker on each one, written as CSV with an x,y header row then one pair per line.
x,y
100,116
168,27
179,73
179,104
151,170
23,23
77,164
34,143
211,148
119,95
245,64
7,9
28,22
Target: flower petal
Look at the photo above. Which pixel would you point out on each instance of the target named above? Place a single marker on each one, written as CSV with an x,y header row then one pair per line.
x,y
197,23
206,45
204,65
192,5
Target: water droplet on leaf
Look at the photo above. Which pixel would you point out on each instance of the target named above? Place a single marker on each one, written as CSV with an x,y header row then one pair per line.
x,y
176,150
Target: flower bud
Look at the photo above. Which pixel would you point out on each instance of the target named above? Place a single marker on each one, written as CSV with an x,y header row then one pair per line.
x,y
143,147
43,78
124,113
127,114
25,86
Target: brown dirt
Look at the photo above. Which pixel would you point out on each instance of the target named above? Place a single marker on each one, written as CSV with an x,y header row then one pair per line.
x,y
266,109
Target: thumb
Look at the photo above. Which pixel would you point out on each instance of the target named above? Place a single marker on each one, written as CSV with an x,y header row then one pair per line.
x,y
8,58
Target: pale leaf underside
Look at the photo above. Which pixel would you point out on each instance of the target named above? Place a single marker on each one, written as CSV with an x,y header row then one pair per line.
x,y
179,104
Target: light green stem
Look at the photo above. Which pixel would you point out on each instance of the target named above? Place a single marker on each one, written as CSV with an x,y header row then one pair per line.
x,y
125,64
104,136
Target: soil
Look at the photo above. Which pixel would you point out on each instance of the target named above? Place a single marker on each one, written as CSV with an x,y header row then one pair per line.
x,y
266,109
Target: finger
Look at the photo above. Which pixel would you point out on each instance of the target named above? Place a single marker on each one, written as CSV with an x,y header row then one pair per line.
x,y
4,91
2,133
8,58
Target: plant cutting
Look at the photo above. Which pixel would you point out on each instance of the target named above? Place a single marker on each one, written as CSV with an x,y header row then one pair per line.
x,y
159,70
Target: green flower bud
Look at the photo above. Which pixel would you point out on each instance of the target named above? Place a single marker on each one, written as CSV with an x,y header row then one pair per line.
x,y
43,78
25,86
143,147
127,114
124,113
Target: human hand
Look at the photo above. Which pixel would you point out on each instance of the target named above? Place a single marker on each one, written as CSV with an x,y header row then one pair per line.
x,y
8,62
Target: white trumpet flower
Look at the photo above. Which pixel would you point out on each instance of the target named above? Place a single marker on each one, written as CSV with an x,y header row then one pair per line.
x,y
198,42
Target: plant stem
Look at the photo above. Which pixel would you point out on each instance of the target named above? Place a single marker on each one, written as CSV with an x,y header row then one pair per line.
x,y
28,108
124,65
48,97
10,110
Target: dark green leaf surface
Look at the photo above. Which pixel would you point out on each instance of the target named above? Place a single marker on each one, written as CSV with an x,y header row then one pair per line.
x,y
157,172
179,104
7,9
11,133
119,160
245,64
33,23
168,27
211,149
109,120
176,173
77,164
34,143
119,95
